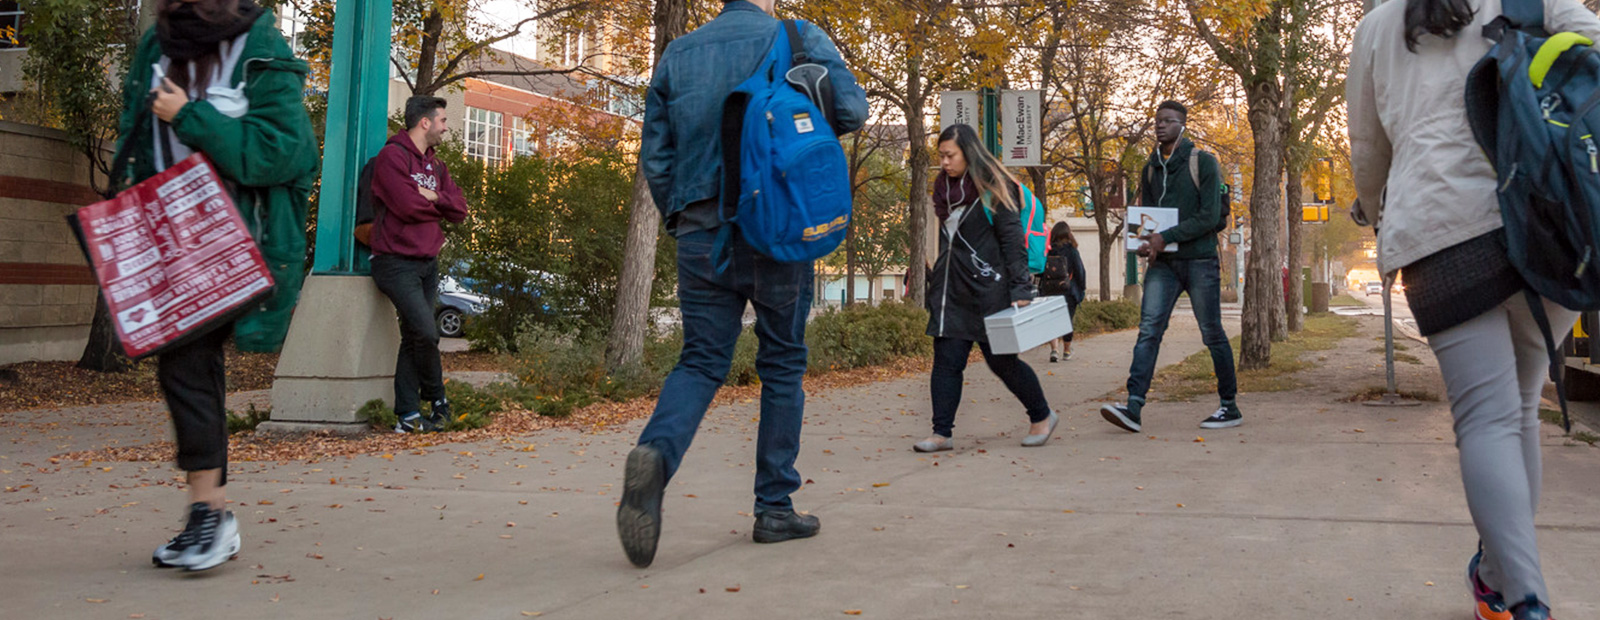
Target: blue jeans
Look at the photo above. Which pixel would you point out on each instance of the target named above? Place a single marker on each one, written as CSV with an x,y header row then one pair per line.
x,y
713,308
1163,281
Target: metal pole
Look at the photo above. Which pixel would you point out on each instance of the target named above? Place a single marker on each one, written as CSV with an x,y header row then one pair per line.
x,y
1391,396
991,120
358,101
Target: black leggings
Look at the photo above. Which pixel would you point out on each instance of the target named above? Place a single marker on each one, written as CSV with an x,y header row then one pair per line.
x,y
195,383
950,362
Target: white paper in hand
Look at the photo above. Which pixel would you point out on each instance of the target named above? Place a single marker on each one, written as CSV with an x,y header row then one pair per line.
x,y
1148,220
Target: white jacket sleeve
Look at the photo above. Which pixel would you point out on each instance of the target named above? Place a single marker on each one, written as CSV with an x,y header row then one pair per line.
x,y
1571,16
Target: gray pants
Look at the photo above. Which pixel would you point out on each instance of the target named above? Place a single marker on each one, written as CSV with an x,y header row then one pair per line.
x,y
1495,367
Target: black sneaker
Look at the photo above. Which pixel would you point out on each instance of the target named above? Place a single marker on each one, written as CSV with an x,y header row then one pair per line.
x,y
411,423
438,416
639,516
214,538
1225,417
778,526
1054,358
1122,416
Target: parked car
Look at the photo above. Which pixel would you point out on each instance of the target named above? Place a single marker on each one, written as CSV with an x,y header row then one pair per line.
x,y
1374,288
456,303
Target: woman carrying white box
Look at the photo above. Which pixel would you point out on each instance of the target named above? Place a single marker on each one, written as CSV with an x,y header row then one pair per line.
x,y
982,269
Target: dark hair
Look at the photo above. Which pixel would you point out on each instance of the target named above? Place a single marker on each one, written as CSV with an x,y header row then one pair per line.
x,y
1062,233
1183,112
218,12
987,172
421,107
1440,18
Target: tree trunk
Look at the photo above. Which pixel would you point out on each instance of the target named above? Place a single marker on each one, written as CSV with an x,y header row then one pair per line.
x,y
919,200
630,319
432,30
1108,233
850,267
1263,288
103,353
1294,311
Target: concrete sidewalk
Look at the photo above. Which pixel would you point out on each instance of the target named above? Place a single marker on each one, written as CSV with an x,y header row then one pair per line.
x,y
1313,508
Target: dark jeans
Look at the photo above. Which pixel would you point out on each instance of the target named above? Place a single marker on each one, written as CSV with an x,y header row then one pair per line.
x,y
1163,281
950,361
195,382
413,285
713,308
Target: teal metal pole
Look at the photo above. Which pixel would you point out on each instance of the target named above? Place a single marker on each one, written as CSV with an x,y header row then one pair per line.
x,y
358,102
991,120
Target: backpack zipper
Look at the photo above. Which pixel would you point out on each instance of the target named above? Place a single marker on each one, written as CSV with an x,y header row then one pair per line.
x,y
1594,153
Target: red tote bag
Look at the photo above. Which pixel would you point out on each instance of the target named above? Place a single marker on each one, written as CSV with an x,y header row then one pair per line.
x,y
173,258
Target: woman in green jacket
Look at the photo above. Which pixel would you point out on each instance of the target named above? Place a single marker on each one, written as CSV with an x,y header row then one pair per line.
x,y
217,77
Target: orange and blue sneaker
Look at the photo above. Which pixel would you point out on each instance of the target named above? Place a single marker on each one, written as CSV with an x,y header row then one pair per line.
x,y
1531,609
1491,605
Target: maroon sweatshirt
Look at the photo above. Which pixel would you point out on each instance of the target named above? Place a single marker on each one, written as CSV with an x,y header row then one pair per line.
x,y
405,223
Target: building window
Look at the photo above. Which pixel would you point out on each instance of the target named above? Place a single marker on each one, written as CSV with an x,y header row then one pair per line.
x,y
485,135
523,142
293,24
12,18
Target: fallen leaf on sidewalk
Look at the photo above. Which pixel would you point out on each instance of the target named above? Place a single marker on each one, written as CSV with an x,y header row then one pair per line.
x,y
1428,583
879,485
733,589
1360,431
855,612
962,587
1199,439
479,577
511,524
1180,505
96,600
533,614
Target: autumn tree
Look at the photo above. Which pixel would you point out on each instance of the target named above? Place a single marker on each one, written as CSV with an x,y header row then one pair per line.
x,y
904,52
1316,52
439,43
630,318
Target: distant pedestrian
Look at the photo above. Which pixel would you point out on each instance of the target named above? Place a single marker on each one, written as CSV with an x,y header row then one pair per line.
x,y
982,269
1179,175
232,90
681,158
413,194
1428,188
1063,277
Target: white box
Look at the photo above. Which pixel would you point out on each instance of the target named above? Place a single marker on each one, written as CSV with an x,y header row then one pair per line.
x,y
1146,220
1015,330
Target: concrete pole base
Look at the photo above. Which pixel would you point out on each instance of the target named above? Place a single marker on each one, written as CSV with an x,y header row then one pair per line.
x,y
340,354
271,429
1133,293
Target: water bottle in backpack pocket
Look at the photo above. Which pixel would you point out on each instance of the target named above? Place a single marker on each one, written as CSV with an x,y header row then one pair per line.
x,y
785,173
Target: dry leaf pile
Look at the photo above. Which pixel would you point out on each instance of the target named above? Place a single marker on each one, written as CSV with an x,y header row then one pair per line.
x,y
511,423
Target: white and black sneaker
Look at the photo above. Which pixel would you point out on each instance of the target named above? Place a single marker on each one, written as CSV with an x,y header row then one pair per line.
x,y
213,538
411,423
1123,416
1227,416
166,556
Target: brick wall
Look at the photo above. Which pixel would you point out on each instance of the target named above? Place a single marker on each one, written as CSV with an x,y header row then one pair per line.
x,y
47,292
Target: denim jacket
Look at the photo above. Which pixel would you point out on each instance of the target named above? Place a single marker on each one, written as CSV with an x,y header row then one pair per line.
x,y
681,155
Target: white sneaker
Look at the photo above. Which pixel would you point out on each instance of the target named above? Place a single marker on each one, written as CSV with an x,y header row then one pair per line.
x,y
166,556
215,538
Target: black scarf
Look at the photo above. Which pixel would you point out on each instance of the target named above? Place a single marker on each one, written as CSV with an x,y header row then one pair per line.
x,y
948,193
185,35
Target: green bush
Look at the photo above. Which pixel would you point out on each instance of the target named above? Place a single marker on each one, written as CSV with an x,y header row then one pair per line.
x,y
1102,316
862,335
470,407
743,371
378,414
249,420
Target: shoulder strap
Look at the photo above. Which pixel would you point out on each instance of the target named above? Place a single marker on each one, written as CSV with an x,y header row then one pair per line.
x,y
797,45
1524,15
1194,167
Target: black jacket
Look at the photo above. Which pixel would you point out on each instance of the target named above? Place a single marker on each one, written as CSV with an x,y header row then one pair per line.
x,y
979,273
1168,183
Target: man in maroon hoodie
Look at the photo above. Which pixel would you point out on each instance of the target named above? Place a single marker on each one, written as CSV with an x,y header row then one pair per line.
x,y
412,192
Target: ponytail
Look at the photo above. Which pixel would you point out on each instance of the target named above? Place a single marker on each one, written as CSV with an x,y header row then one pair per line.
x,y
1440,18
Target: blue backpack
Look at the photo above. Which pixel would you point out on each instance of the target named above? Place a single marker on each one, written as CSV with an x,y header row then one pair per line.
x,y
784,171
1534,106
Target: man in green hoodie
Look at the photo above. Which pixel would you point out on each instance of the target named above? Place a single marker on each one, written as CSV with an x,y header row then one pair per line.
x,y
1172,180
